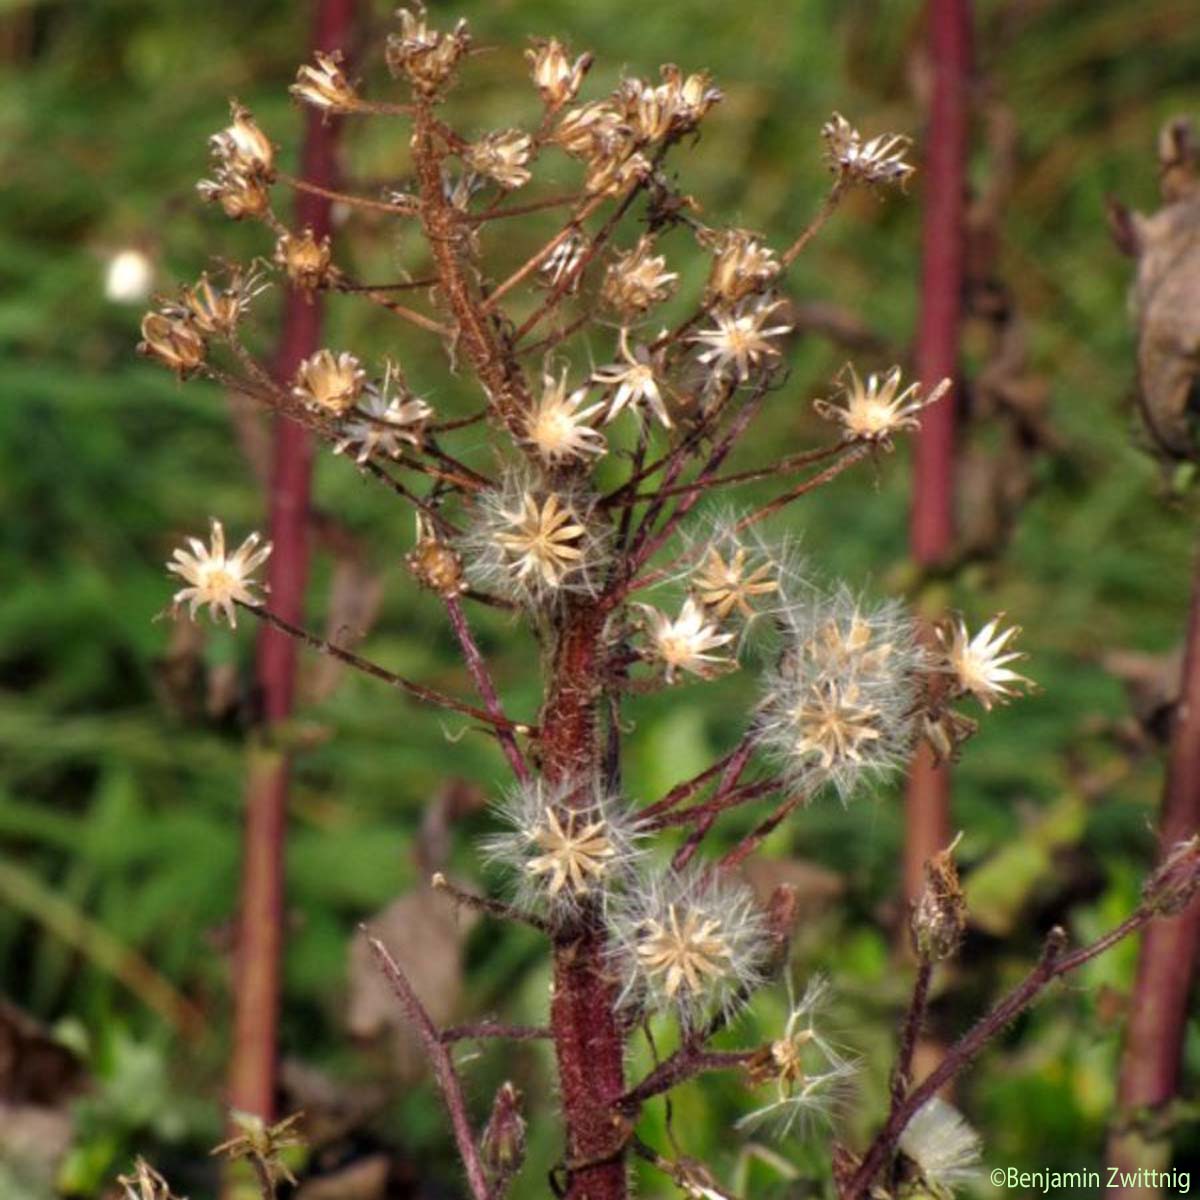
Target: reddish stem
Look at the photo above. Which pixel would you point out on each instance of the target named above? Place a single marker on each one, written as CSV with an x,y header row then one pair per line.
x,y
1170,947
942,273
253,1067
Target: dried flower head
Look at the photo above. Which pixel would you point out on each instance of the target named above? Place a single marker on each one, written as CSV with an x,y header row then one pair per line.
x,y
615,172
426,57
243,148
221,581
686,642
434,564
217,312
839,706
978,665
328,383
633,382
532,543
388,418
809,1073
262,1143
554,75
741,266
691,941
726,581
239,194
873,411
879,161
675,106
739,340
324,85
637,280
564,844
174,341
943,1148
307,261
502,156
592,130
557,426
145,1183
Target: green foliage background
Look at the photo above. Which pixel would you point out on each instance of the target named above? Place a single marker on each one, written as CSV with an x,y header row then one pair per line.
x,y
120,808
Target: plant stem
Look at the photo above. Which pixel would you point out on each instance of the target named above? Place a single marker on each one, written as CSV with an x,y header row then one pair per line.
x,y
254,1061
1170,948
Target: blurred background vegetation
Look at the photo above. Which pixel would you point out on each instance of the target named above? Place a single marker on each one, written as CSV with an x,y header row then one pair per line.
x,y
122,748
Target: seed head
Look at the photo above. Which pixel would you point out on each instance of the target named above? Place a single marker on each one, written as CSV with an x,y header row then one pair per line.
x,y
874,411
427,57
742,265
324,85
692,942
217,312
739,340
592,130
554,75
239,194
216,579
243,148
174,341
978,665
307,261
502,156
388,418
633,382
615,172
685,643
726,582
944,1149
637,280
328,383
879,161
557,426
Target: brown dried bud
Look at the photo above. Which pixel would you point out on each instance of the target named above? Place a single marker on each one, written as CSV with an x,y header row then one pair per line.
x,y
939,916
174,341
945,731
436,566
741,266
307,262
325,85
243,147
591,130
503,1141
329,383
554,75
502,156
1174,883
240,195
428,57
217,311
637,280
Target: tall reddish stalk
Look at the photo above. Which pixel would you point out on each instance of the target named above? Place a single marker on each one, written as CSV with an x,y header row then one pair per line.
x,y
1170,947
942,273
252,1073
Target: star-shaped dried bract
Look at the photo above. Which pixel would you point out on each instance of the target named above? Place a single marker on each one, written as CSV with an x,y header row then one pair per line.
x,y
214,578
576,852
723,585
684,951
542,540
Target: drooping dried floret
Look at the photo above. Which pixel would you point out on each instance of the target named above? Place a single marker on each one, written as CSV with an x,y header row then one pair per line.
x,y
242,147
324,85
502,156
979,664
214,578
557,426
554,75
614,173
591,130
637,280
217,312
875,410
328,383
686,642
634,383
881,160
690,941
742,265
174,341
809,1073
565,844
839,706
240,195
740,339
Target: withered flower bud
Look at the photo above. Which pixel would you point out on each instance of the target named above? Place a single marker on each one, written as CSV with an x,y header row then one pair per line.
x,y
616,174
741,266
174,341
939,916
637,280
1173,884
307,262
325,85
590,129
243,147
435,565
554,75
328,383
503,1141
240,195
502,156
427,57
214,311
945,730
